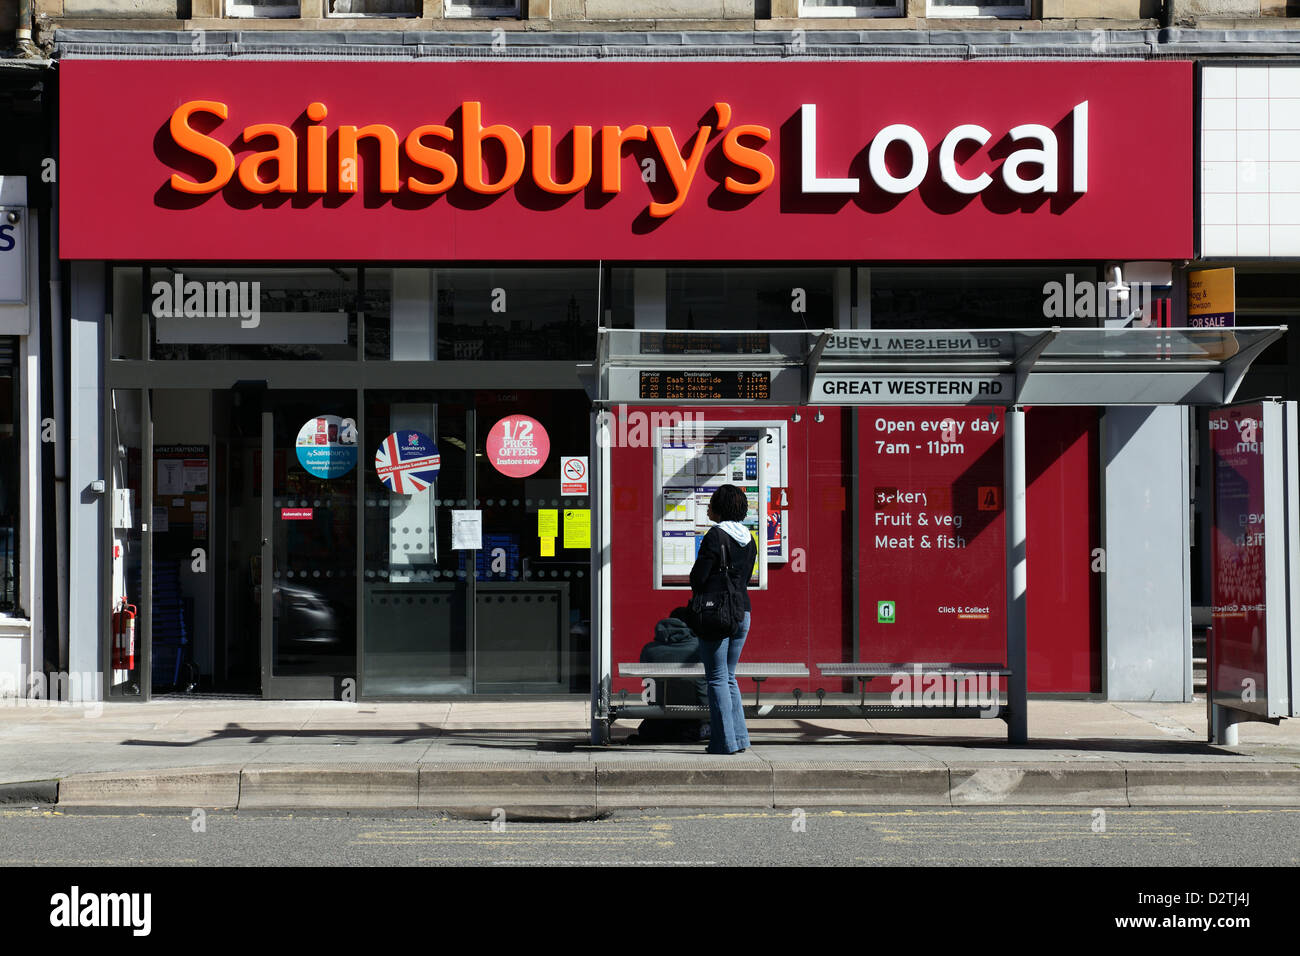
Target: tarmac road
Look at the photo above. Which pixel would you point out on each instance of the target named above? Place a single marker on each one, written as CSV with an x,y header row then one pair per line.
x,y
930,836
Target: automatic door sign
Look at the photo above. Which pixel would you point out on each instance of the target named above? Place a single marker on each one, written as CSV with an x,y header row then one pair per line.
x,y
407,462
327,446
518,446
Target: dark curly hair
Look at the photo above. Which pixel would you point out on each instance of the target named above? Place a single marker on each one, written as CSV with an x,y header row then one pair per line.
x,y
729,503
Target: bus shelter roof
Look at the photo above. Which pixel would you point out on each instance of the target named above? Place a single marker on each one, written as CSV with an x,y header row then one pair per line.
x,y
1040,366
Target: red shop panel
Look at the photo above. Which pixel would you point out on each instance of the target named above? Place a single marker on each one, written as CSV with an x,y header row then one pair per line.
x,y
804,614
931,535
932,540
1063,526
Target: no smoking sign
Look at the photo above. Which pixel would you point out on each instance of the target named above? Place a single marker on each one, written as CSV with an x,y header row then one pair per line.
x,y
573,476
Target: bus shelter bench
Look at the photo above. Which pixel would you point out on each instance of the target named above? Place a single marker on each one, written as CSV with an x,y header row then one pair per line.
x,y
755,672
959,673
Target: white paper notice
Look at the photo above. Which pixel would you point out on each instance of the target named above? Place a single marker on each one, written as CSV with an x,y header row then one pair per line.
x,y
466,530
171,477
196,475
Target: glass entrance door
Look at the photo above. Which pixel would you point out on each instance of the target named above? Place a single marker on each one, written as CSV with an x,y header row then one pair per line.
x,y
310,463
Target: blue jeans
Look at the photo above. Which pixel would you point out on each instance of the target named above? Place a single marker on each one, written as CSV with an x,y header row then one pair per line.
x,y
727,731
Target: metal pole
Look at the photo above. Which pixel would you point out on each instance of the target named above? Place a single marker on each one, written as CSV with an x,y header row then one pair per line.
x,y
1013,445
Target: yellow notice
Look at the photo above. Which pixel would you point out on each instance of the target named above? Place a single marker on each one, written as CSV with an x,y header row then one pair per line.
x,y
548,547
577,527
548,523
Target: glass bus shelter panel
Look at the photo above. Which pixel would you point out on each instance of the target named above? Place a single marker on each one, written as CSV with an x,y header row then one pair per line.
x,y
1252,642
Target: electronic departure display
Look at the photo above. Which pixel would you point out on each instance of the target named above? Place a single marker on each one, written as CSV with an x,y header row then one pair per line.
x,y
705,343
680,386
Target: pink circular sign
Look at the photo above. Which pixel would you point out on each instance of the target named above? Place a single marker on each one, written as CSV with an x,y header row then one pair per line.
x,y
518,446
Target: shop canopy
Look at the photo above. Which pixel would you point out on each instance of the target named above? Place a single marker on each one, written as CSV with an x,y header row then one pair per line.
x,y
1045,366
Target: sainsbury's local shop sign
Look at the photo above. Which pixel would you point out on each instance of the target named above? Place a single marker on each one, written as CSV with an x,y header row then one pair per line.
x,y
586,160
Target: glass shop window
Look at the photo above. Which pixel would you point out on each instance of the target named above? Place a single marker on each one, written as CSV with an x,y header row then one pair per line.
x,y
254,314
721,298
480,314
980,297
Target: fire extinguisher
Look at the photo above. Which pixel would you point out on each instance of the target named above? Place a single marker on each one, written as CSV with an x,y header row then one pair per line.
x,y
124,636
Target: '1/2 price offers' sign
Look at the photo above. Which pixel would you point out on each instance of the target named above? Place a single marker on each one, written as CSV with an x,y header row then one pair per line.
x,y
518,446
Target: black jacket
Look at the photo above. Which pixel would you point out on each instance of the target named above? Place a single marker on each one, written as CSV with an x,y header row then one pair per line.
x,y
740,561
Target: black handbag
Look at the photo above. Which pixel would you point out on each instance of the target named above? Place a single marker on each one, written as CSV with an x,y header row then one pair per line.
x,y
720,607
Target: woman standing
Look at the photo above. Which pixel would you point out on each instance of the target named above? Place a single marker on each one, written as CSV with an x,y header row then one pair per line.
x,y
728,548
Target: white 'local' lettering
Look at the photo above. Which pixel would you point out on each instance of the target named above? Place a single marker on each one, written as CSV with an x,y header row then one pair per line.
x,y
1044,156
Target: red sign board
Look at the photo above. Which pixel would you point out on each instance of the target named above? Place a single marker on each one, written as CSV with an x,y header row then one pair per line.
x,y
933,567
313,161
1240,657
295,514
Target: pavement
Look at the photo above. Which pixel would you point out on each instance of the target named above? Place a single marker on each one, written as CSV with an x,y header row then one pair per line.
x,y
535,758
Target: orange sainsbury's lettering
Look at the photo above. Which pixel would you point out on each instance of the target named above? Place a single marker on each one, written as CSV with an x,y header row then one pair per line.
x,y
542,160
432,159
612,139
349,176
747,157
474,133
191,140
285,156
681,170
317,177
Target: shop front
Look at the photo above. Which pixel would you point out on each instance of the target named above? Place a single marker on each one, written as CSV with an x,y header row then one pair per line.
x,y
324,519
349,360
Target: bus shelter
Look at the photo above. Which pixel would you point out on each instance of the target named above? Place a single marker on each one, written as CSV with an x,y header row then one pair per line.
x,y
934,394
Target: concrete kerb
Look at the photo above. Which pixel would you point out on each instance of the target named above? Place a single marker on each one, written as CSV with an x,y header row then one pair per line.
x,y
583,790
1154,785
550,787
361,787
1038,785
812,783
213,788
